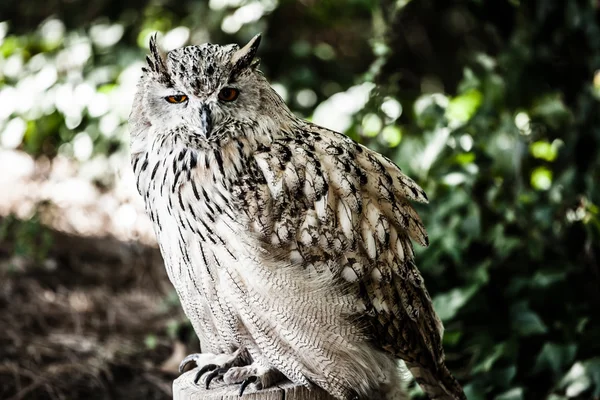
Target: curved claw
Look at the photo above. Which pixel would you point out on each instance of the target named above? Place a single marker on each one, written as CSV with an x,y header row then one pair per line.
x,y
213,374
206,368
246,382
185,362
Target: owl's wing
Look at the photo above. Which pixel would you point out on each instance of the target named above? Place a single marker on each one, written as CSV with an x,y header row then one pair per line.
x,y
325,197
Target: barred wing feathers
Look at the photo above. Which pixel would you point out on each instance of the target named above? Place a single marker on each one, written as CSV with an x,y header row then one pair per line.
x,y
335,204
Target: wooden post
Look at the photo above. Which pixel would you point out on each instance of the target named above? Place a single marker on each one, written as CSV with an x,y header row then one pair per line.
x,y
185,389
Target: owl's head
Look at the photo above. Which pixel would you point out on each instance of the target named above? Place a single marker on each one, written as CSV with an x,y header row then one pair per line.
x,y
203,91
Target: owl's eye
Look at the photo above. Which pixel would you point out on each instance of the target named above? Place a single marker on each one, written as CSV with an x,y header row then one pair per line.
x,y
178,98
228,94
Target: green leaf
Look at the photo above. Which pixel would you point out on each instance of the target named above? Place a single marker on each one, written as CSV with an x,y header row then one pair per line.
x,y
151,341
172,328
451,338
526,322
555,357
581,377
503,377
512,394
576,380
371,124
465,158
541,178
473,391
551,110
486,364
544,279
447,304
429,110
391,135
324,51
454,178
462,108
544,150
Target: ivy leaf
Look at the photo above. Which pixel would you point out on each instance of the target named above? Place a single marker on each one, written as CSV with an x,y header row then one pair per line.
x,y
512,394
447,304
526,322
555,357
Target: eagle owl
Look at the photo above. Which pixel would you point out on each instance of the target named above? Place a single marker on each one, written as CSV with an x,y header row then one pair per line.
x,y
288,244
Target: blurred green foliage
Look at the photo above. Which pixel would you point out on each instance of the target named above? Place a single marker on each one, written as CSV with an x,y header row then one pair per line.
x,y
30,239
493,106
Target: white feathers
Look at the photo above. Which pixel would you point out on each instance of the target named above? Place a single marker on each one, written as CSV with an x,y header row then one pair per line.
x,y
349,275
369,240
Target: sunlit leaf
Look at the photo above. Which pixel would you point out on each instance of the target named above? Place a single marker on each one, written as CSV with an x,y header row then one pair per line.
x,y
462,108
447,304
391,135
372,125
436,143
143,37
576,380
454,178
544,150
541,178
151,341
391,108
429,110
555,357
465,158
512,394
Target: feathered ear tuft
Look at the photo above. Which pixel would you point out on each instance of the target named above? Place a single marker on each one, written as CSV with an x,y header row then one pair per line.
x,y
156,62
244,57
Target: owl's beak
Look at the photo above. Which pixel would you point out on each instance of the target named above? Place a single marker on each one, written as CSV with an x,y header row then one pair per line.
x,y
205,120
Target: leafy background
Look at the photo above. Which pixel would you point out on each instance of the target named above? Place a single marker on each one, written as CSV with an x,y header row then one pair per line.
x,y
493,106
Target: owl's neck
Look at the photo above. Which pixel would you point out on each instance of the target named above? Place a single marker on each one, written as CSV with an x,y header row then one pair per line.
x,y
176,157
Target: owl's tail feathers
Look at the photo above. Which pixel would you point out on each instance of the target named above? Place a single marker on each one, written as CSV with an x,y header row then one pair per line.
x,y
437,384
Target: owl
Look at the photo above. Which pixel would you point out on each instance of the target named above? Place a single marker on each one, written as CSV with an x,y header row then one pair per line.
x,y
289,245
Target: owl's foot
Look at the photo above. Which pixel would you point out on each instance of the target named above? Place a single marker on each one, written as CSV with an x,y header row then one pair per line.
x,y
214,363
203,359
256,376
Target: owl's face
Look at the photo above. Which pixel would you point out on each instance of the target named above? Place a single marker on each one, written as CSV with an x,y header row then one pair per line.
x,y
203,91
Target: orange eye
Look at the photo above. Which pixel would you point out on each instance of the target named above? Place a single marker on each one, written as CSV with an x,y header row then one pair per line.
x,y
228,94
178,98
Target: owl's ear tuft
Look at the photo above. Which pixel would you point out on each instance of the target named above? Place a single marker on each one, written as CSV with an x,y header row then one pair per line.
x,y
157,61
244,57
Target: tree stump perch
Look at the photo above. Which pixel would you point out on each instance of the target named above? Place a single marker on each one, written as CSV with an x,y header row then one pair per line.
x,y
184,388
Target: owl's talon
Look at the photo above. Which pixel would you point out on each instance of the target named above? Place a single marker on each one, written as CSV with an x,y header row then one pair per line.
x,y
254,375
216,373
185,362
203,370
246,382
202,359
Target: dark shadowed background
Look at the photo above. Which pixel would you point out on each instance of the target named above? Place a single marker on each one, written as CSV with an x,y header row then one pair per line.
x,y
492,106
